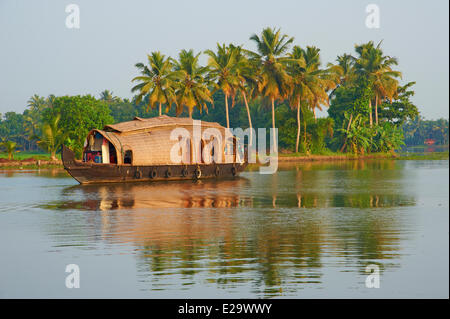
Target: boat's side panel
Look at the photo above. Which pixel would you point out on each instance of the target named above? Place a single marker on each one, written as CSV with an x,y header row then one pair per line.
x,y
86,173
98,173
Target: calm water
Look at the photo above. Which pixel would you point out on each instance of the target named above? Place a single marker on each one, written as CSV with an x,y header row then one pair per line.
x,y
308,231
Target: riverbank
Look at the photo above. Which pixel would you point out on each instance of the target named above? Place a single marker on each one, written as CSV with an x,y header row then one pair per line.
x,y
44,162
28,163
287,158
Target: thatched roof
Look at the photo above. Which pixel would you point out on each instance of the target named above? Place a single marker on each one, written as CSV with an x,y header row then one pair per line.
x,y
139,123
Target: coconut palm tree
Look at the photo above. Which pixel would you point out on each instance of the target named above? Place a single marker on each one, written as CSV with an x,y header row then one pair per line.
x,y
9,147
322,80
248,84
191,85
223,72
311,83
300,90
377,69
52,136
271,48
156,81
344,70
108,97
36,103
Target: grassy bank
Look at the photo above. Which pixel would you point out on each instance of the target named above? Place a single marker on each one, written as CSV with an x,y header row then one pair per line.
x,y
424,156
20,156
330,156
28,160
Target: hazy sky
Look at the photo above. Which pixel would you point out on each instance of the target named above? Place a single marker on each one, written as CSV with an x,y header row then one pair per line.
x,y
40,55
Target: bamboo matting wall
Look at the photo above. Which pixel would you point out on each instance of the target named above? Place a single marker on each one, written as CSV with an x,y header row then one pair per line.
x,y
149,139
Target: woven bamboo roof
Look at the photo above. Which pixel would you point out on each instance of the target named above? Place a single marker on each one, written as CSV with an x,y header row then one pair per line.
x,y
139,123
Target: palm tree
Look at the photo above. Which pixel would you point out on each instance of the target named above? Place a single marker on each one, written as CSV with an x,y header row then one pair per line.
x,y
377,69
52,137
9,147
248,84
223,70
191,86
343,70
300,90
36,103
108,97
322,80
310,83
50,101
156,81
270,56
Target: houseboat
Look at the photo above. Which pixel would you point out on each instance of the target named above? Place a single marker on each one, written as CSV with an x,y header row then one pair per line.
x,y
156,149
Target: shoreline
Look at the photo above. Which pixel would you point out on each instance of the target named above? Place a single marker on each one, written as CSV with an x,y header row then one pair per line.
x,y
284,158
329,158
29,163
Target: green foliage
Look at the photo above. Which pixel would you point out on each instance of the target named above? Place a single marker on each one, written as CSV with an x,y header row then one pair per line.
x,y
9,147
387,138
79,115
418,130
52,136
357,138
357,89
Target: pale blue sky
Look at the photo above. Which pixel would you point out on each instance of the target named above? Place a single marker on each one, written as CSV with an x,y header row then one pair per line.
x,y
39,55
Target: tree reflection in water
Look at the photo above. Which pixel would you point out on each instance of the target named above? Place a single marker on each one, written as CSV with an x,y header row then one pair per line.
x,y
273,232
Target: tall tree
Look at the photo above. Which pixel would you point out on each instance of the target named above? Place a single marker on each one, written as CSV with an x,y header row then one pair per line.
x,y
156,81
223,71
36,103
377,69
300,90
343,70
270,55
191,86
248,84
108,97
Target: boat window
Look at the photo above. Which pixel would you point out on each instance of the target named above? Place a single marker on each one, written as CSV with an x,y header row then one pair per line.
x,y
128,158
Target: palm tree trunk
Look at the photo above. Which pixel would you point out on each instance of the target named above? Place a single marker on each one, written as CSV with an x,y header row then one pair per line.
x,y
304,129
53,155
249,119
160,113
348,127
370,112
275,146
315,117
376,110
190,110
226,110
298,127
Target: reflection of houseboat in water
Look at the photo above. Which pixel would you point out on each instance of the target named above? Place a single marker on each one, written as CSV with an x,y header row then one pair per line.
x,y
182,194
142,150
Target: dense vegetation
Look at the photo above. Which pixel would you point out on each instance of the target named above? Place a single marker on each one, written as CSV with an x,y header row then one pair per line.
x,y
278,85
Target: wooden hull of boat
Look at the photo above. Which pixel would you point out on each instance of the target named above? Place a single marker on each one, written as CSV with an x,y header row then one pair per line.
x,y
89,173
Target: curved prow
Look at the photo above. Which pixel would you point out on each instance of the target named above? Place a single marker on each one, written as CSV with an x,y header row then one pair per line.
x,y
67,156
